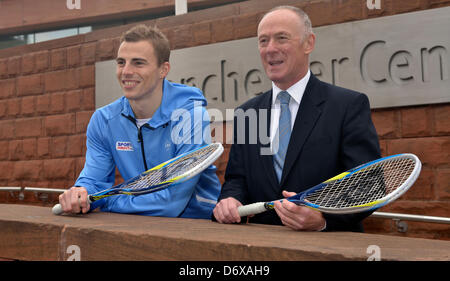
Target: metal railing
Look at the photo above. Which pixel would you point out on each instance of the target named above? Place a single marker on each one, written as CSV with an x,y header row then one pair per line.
x,y
36,189
399,218
44,191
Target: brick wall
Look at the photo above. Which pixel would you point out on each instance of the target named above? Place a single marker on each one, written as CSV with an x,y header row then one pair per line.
x,y
47,97
46,100
424,131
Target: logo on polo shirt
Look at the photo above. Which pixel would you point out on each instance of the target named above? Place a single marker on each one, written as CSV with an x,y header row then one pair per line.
x,y
124,146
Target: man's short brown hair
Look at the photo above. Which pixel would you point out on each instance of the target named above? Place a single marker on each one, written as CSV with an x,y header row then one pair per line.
x,y
152,34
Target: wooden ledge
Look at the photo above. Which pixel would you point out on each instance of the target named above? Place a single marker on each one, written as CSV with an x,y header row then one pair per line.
x,y
34,233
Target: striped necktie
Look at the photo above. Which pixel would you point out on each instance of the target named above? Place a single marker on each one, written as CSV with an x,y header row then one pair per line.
x,y
283,133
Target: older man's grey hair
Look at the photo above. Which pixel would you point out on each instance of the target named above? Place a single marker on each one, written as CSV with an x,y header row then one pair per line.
x,y
301,14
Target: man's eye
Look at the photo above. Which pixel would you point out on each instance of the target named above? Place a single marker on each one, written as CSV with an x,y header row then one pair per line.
x,y
282,38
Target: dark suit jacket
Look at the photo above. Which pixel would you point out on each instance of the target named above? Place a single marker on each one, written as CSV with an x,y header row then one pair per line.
x,y
333,132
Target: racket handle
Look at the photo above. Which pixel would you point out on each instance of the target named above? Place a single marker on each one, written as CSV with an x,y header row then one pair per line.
x,y
57,209
252,209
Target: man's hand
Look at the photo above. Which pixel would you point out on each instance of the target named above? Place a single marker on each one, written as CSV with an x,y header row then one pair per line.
x,y
298,217
74,200
226,211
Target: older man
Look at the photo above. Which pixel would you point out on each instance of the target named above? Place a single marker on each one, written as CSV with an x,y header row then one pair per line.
x,y
317,131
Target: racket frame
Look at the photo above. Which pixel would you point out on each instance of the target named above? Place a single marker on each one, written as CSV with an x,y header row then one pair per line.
x,y
118,189
299,198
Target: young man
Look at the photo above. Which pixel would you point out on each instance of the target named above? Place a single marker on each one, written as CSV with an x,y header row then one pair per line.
x,y
327,130
139,131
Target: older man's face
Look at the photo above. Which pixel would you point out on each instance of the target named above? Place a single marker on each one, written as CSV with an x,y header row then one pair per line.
x,y
283,49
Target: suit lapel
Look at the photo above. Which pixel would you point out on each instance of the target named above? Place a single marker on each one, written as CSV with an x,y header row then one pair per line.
x,y
307,116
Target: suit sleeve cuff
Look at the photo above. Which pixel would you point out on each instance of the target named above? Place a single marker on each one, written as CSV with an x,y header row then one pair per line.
x,y
324,227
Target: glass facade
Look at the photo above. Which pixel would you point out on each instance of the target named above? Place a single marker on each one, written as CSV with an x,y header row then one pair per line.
x,y
8,41
31,38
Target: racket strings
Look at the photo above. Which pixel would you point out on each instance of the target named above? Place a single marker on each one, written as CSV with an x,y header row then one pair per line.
x,y
172,170
364,186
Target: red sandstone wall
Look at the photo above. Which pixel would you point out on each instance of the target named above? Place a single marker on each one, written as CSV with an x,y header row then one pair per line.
x,y
47,97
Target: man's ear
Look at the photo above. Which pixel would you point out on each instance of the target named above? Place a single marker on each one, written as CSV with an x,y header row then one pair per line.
x,y
164,69
310,43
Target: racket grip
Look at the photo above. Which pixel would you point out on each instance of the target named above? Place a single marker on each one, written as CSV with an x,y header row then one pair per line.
x,y
252,209
57,209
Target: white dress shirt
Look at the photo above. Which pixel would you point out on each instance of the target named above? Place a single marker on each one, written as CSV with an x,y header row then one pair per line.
x,y
296,92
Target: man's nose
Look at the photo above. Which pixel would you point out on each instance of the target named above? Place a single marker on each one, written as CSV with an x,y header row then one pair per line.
x,y
271,46
127,69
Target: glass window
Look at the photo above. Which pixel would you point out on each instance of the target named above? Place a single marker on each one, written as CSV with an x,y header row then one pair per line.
x,y
16,40
8,41
51,35
84,29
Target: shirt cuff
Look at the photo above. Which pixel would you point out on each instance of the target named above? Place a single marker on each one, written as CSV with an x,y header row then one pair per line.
x,y
324,227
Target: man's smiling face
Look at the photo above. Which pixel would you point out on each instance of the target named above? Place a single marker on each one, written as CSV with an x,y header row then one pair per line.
x,y
283,47
137,69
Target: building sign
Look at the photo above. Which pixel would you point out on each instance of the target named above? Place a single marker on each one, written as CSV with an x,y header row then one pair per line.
x,y
398,60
